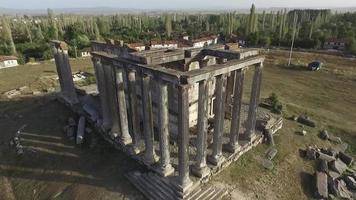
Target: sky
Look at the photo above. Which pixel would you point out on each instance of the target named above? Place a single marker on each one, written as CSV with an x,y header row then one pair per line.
x,y
174,4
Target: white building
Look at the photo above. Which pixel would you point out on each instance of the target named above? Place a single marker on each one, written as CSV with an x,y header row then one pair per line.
x,y
136,46
85,52
204,41
334,43
8,61
164,44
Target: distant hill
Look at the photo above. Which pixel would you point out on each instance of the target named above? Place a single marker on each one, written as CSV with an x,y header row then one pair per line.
x,y
110,11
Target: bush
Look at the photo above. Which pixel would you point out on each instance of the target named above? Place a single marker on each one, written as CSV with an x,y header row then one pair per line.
x,y
276,105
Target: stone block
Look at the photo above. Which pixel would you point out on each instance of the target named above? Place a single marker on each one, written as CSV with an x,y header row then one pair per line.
x,y
310,154
335,139
267,164
339,189
326,157
351,182
321,185
324,135
338,166
323,166
271,153
347,159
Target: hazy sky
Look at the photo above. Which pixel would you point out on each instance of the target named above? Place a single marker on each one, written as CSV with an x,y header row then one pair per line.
x,y
174,4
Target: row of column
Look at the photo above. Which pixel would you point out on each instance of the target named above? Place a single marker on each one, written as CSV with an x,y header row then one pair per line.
x,y
110,85
200,167
111,79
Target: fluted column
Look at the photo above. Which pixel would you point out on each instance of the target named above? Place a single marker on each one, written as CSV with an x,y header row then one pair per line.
x,y
165,167
121,100
200,168
184,181
233,145
111,98
150,155
134,111
255,95
101,83
216,158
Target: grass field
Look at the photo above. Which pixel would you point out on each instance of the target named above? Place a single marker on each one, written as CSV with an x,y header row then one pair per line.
x,y
56,169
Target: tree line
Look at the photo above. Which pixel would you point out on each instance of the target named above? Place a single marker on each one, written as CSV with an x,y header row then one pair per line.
x,y
28,37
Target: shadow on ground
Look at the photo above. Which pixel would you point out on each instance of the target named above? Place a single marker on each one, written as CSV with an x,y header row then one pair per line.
x,y
52,167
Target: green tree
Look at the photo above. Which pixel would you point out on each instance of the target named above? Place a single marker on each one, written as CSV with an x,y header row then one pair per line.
x,y
168,23
7,35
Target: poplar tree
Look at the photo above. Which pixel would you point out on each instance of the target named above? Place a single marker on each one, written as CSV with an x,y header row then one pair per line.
x,y
8,36
252,20
168,25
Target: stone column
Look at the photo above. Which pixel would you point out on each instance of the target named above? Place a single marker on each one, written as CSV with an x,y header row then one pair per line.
x,y
184,181
121,100
165,167
101,83
133,111
200,168
216,158
150,155
233,145
60,51
229,92
111,98
255,95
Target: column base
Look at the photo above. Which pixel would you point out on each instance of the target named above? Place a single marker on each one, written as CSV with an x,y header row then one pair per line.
x,y
184,187
200,171
113,135
164,170
248,136
134,150
150,159
216,160
231,148
126,140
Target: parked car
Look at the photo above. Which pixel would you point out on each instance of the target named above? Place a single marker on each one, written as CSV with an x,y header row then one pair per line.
x,y
315,65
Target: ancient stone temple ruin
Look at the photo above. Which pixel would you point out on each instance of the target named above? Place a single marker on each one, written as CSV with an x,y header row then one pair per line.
x,y
177,112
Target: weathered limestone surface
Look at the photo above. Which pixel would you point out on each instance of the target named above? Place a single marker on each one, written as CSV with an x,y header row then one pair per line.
x,y
165,165
200,168
150,155
322,185
255,93
184,181
233,145
121,100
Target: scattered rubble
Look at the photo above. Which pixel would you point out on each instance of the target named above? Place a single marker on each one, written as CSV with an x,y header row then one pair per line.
x,y
324,135
271,153
335,139
338,166
351,182
334,178
304,119
346,158
80,130
80,76
267,164
268,137
321,185
69,129
15,141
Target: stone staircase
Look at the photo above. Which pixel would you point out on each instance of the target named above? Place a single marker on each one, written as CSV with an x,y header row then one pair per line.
x,y
155,187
